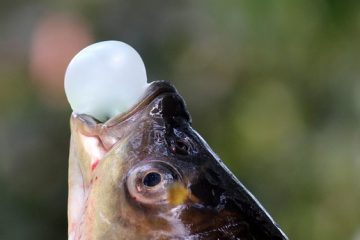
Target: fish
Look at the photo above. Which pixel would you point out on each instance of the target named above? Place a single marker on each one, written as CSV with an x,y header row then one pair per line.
x,y
147,174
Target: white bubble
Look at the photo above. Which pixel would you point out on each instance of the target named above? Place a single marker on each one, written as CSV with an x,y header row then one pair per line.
x,y
105,79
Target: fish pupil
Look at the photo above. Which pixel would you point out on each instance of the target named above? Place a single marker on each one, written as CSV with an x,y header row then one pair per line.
x,y
152,179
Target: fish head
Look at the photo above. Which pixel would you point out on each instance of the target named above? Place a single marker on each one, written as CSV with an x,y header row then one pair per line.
x,y
147,174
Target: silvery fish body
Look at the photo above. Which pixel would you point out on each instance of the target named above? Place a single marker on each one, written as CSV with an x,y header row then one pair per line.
x,y
147,174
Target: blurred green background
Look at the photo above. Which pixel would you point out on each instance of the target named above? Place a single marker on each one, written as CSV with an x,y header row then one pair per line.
x,y
273,86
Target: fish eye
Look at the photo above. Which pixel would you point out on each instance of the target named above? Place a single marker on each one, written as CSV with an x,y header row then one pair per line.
x,y
152,179
149,182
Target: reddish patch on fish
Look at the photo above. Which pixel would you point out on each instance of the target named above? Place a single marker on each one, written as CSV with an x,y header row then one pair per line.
x,y
94,164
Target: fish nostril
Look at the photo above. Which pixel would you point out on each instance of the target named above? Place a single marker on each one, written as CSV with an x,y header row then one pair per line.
x,y
152,179
181,147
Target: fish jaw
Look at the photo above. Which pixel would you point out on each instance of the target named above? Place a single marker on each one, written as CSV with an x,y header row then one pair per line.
x,y
84,152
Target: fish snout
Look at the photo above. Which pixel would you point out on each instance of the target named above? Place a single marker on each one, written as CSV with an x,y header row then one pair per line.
x,y
170,107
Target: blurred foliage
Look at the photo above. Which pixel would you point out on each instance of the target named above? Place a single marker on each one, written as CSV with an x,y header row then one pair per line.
x,y
272,85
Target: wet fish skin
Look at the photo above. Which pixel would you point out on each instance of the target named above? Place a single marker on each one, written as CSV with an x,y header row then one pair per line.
x,y
109,168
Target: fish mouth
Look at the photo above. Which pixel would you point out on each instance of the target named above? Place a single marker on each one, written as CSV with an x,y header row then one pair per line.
x,y
89,127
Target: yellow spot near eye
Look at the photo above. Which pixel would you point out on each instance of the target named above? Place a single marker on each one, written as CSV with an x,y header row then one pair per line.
x,y
177,194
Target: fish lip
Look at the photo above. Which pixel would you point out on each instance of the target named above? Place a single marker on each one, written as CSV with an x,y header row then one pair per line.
x,y
154,90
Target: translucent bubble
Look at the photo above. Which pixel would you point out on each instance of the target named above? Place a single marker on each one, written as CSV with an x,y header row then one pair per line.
x,y
105,79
